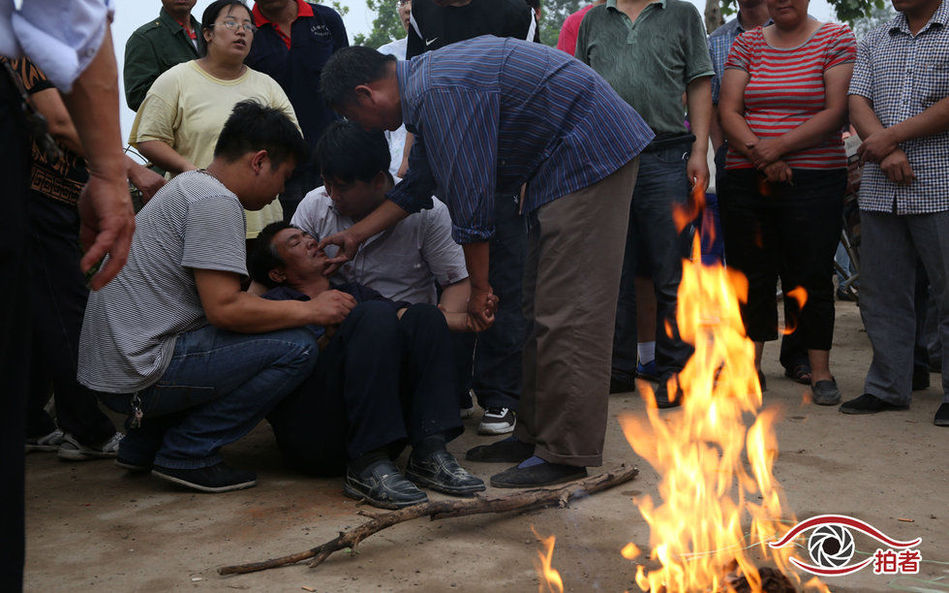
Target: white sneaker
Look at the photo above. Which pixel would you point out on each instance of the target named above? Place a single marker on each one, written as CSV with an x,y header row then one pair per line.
x,y
47,442
497,421
73,450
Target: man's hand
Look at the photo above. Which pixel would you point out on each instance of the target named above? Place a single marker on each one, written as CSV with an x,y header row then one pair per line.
x,y
332,307
697,170
777,172
482,305
897,169
457,322
878,146
765,151
146,180
107,225
348,245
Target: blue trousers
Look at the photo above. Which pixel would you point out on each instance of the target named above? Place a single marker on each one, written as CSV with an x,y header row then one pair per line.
x,y
219,385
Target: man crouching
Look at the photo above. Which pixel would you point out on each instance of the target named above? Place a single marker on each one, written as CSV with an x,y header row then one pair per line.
x,y
385,377
174,343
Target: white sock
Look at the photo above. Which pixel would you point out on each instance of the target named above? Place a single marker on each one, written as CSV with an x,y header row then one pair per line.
x,y
647,352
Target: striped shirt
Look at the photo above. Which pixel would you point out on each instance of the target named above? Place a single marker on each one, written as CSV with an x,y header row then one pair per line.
x,y
903,75
786,88
491,114
130,326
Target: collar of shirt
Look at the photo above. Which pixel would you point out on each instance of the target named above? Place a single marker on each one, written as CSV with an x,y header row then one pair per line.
x,y
170,22
901,25
303,10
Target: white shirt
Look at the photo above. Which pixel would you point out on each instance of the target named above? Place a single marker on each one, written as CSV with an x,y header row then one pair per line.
x,y
396,139
60,36
404,262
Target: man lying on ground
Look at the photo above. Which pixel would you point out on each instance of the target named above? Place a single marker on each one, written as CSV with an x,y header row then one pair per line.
x,y
174,342
384,377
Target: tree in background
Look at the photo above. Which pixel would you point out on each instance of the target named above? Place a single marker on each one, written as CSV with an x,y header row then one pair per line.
x,y
386,26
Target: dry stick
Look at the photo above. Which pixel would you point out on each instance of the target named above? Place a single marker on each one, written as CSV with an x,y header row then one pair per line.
x,y
443,509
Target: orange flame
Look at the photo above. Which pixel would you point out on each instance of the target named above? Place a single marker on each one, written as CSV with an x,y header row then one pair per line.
x,y
716,472
551,583
799,295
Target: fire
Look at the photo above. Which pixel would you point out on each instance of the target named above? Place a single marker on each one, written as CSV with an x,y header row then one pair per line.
x,y
552,582
716,473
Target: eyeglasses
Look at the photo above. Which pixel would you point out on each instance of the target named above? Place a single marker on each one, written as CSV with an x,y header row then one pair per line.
x,y
232,25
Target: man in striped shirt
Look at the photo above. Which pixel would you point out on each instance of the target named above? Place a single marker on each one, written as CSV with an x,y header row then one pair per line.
x,y
490,115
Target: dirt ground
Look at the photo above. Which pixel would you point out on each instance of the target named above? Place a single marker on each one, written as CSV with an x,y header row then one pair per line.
x,y
92,527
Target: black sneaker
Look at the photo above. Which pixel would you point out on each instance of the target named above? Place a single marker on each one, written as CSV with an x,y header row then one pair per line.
x,y
497,421
216,478
509,450
942,415
542,474
440,471
381,485
869,404
826,393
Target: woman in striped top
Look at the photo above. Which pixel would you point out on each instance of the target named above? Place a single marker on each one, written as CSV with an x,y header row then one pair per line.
x,y
783,104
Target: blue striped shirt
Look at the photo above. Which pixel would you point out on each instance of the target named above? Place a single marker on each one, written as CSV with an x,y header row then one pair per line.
x,y
490,114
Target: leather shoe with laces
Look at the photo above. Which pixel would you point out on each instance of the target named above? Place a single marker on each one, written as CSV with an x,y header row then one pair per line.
x,y
440,472
381,485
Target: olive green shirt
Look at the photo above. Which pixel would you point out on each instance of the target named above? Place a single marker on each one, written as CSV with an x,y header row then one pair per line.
x,y
153,48
648,62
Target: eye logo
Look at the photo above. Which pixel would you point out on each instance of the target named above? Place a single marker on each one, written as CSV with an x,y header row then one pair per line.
x,y
831,547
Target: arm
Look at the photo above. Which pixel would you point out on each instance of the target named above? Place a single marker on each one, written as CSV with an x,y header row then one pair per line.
x,y
699,99
731,111
105,207
165,157
895,164
385,216
454,305
409,141
881,142
228,307
715,131
140,70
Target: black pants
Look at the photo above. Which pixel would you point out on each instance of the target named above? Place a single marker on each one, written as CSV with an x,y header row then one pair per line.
x,y
380,382
791,231
14,331
59,294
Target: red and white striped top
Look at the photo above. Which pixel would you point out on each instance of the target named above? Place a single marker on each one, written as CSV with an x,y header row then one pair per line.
x,y
786,88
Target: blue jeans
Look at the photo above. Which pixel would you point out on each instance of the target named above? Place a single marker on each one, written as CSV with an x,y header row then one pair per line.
x,y
654,249
219,385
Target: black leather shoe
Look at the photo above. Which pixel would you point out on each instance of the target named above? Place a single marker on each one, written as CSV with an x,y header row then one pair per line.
x,y
440,471
216,478
509,450
542,474
942,415
381,485
868,404
920,378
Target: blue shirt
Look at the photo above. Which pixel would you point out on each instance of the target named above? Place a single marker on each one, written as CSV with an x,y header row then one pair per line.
x,y
491,114
719,44
903,75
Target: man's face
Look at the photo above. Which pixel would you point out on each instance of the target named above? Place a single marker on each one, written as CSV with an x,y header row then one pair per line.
x,y
272,6
911,5
178,6
373,115
356,198
405,13
302,258
268,182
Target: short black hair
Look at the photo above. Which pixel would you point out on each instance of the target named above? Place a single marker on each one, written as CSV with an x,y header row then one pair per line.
x,y
348,68
214,9
252,127
264,257
348,152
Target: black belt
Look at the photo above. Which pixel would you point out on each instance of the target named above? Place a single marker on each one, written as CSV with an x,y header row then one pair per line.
x,y
664,141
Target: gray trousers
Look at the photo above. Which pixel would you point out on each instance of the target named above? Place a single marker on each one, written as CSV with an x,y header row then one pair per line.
x,y
889,247
571,279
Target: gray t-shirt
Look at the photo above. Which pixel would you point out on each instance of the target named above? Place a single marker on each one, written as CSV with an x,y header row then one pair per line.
x,y
130,326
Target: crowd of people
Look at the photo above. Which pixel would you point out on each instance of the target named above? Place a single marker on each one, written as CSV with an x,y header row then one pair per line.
x,y
355,244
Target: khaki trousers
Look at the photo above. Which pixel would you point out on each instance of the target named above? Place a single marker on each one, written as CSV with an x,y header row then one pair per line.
x,y
571,279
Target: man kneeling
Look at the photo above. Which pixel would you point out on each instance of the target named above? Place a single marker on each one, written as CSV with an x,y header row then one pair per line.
x,y
384,377
174,342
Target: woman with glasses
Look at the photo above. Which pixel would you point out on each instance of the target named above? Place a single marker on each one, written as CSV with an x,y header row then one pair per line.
x,y
178,124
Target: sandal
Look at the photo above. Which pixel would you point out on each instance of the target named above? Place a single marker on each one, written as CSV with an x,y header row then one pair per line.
x,y
800,373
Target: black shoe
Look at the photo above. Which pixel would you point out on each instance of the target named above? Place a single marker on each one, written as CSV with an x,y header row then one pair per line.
x,y
440,471
942,415
826,393
662,395
381,485
216,478
868,404
542,474
920,378
509,450
132,466
622,384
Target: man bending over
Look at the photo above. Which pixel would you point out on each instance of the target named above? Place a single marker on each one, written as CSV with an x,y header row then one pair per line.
x,y
174,342
384,378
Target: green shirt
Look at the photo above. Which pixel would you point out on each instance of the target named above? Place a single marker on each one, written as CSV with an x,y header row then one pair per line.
x,y
649,62
153,48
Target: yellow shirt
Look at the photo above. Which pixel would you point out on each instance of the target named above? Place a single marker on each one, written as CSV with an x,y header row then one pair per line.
x,y
186,108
